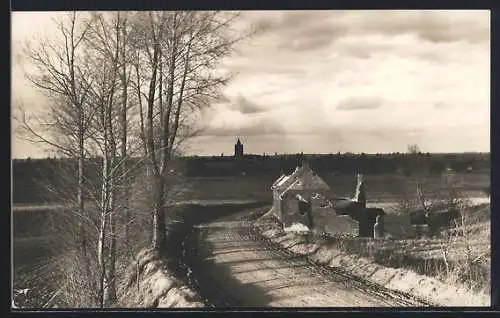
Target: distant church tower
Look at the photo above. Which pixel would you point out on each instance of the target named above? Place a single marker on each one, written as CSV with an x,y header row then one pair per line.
x,y
238,150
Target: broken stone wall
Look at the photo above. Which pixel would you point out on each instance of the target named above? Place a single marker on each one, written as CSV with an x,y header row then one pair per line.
x,y
327,221
399,226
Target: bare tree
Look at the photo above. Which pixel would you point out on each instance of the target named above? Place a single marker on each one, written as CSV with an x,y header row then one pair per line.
x,y
84,118
59,73
59,70
470,262
455,203
107,43
182,50
418,174
124,75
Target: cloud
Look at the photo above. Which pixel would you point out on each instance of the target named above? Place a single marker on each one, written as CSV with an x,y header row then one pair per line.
x,y
432,25
245,106
300,30
301,83
366,140
258,126
313,30
313,38
356,103
223,98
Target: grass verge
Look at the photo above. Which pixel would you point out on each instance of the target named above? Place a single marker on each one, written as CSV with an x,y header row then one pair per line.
x,y
394,264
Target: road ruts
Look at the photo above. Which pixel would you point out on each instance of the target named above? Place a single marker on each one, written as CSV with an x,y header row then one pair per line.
x,y
404,299
234,266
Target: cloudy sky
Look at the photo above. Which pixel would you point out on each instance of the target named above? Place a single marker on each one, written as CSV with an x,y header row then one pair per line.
x,y
348,81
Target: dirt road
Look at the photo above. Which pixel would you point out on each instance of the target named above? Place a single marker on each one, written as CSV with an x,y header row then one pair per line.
x,y
234,268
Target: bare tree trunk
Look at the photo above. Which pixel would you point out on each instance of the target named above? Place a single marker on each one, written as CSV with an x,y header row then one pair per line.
x,y
143,134
107,292
102,234
160,91
445,258
82,244
468,249
81,149
137,88
110,289
123,150
107,259
158,181
159,214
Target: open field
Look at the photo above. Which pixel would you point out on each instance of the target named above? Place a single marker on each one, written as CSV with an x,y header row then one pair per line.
x,y
380,187
34,260
391,206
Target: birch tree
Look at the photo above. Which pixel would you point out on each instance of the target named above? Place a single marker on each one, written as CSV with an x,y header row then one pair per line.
x,y
107,44
58,70
181,51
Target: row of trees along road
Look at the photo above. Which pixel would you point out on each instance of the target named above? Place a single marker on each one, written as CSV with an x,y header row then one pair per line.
x,y
121,84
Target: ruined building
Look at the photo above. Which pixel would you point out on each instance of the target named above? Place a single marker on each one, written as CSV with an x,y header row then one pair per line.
x,y
301,197
356,208
395,225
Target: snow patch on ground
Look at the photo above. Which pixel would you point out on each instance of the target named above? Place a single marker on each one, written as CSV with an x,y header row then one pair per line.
x,y
297,228
398,279
148,284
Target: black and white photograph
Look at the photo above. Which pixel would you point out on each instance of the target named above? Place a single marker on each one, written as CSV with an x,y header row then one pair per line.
x,y
250,159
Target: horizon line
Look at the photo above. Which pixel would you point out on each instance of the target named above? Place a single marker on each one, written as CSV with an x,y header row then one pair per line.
x,y
280,154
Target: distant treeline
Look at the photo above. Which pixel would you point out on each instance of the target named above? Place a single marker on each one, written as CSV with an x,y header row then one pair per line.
x,y
35,179
41,180
335,163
